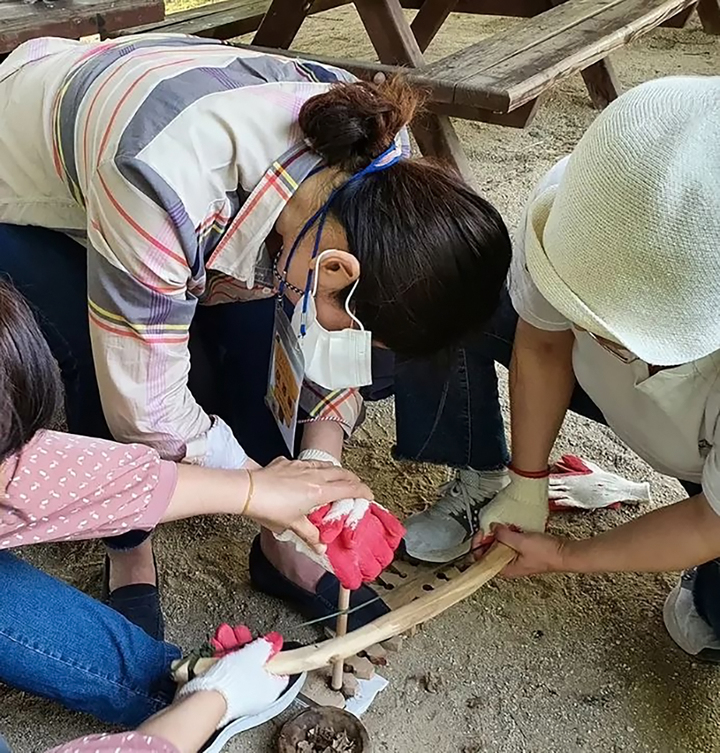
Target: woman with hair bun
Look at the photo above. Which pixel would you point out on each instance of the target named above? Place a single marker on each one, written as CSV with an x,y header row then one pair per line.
x,y
144,180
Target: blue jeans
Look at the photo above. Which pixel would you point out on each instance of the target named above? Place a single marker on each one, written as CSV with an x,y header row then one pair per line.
x,y
57,642
453,418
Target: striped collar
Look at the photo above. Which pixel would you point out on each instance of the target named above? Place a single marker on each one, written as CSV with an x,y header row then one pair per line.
x,y
241,245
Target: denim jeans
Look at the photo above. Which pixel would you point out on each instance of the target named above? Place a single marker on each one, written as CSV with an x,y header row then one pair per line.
x,y
59,643
453,418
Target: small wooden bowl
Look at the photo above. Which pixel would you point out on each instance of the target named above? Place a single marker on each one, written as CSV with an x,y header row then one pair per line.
x,y
326,717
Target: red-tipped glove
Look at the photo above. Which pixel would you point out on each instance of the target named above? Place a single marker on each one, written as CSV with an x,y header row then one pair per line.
x,y
228,639
577,484
239,675
361,536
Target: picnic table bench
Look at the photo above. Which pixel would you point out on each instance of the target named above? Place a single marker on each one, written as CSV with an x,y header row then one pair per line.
x,y
20,21
500,79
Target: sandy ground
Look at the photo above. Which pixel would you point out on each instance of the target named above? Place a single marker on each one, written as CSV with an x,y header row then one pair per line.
x,y
562,663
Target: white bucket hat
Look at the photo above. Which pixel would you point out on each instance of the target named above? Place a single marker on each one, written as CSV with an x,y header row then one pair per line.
x,y
628,245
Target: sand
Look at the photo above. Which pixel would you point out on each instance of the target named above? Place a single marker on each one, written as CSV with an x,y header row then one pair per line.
x,y
562,663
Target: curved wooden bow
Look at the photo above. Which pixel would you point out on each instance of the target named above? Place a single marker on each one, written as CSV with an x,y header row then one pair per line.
x,y
399,621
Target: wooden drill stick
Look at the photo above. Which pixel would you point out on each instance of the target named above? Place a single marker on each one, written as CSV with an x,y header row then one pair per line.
x,y
340,629
398,621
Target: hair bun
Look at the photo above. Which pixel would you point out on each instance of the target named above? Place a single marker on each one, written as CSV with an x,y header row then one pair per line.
x,y
353,123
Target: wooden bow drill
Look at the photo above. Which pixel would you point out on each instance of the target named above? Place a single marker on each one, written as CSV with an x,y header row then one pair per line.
x,y
399,621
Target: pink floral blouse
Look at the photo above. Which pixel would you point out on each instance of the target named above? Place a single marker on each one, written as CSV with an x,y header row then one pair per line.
x,y
62,487
127,742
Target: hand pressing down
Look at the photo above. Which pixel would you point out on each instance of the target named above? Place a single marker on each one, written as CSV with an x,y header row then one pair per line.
x,y
286,490
360,536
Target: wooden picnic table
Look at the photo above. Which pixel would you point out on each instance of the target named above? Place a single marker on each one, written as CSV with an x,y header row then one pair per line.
x,y
500,79
20,21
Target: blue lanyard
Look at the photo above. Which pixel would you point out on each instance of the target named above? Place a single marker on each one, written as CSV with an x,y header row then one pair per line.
x,y
387,159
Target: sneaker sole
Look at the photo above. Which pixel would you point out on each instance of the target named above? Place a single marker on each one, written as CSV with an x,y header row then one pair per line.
x,y
441,556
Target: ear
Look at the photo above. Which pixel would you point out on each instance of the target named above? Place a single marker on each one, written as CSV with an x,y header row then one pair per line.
x,y
336,270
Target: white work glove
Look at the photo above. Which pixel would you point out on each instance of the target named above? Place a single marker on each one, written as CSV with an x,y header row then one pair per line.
x,y
218,448
522,503
360,535
577,484
240,677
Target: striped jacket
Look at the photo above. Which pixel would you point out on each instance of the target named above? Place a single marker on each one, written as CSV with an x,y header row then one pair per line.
x,y
171,158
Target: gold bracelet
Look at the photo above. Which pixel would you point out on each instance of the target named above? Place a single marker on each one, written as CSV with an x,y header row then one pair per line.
x,y
251,489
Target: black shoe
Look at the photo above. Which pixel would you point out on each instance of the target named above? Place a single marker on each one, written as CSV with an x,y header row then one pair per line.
x,y
139,603
265,577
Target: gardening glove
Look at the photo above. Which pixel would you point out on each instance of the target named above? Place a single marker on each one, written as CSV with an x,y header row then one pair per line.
x,y
239,675
577,484
360,536
523,503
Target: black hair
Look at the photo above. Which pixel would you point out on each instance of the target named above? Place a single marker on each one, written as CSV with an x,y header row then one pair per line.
x,y
433,254
30,387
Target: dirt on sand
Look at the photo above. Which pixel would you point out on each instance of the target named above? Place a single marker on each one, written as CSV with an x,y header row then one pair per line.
x,y
560,664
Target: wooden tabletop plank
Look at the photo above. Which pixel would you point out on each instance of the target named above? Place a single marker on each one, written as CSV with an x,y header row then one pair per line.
x,y
492,51
533,71
508,70
20,21
205,17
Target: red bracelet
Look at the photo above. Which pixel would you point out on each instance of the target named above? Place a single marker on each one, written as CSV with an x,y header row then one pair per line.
x,y
529,474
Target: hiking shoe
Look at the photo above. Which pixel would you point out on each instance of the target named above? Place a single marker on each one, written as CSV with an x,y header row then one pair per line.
x,y
686,627
445,530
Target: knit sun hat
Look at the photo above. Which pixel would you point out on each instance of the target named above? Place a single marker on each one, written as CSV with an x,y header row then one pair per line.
x,y
628,245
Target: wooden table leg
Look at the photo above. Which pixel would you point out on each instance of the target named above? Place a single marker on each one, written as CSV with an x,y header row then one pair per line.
x,y
281,23
709,12
602,83
429,20
395,44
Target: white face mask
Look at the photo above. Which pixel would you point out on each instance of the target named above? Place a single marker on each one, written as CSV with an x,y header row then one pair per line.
x,y
335,359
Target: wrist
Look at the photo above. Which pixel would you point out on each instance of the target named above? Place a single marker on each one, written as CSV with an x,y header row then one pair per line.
x,y
530,472
570,556
321,455
202,693
249,494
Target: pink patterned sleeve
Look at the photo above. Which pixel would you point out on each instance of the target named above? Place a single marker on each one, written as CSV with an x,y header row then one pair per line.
x,y
62,487
127,742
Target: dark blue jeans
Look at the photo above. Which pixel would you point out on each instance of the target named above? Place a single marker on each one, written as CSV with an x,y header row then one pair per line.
x,y
453,417
59,643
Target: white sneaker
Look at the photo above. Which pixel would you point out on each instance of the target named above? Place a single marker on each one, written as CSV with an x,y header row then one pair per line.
x,y
445,530
686,627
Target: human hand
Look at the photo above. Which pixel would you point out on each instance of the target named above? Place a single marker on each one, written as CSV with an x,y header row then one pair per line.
x,y
287,490
522,503
239,675
536,552
360,535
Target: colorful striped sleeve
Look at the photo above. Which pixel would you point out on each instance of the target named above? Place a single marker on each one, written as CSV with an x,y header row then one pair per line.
x,y
140,306
344,407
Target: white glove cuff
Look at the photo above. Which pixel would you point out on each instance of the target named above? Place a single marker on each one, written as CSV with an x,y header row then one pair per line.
x,y
321,455
205,683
